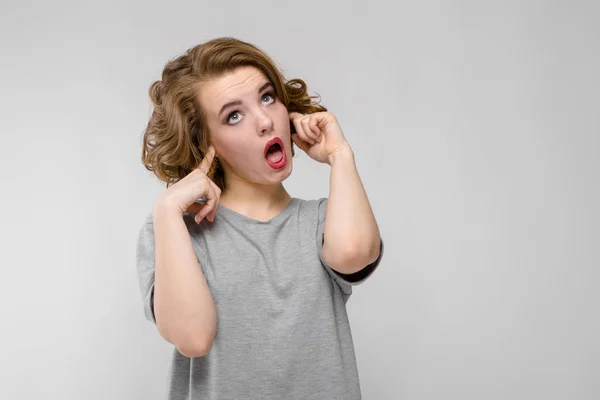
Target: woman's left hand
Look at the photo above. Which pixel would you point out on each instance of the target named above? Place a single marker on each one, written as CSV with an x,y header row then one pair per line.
x,y
319,135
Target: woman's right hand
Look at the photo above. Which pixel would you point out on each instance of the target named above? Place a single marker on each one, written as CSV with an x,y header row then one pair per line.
x,y
184,193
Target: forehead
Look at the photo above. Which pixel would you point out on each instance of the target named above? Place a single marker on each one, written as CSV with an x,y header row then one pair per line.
x,y
232,85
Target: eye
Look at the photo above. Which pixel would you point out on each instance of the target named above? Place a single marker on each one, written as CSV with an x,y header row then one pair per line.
x,y
269,95
230,118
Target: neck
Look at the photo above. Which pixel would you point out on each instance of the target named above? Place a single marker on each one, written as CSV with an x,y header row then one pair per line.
x,y
260,202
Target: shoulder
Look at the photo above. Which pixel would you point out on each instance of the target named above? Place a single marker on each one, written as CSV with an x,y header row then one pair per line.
x,y
146,229
313,210
312,204
147,226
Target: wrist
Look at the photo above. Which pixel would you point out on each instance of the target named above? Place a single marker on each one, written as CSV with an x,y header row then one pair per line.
x,y
342,154
164,205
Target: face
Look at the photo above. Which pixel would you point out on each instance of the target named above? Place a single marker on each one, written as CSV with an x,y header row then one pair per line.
x,y
248,125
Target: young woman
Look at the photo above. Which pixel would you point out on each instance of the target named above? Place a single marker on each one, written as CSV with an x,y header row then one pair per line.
x,y
251,284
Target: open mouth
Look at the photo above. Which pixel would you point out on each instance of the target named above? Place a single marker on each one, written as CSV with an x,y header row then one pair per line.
x,y
275,154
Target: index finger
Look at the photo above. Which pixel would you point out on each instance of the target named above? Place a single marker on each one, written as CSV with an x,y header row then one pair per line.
x,y
293,115
207,160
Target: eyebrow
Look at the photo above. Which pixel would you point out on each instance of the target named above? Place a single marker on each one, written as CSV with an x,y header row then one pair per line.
x,y
239,102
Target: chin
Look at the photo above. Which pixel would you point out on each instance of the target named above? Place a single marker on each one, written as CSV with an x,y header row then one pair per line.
x,y
279,176
282,175
287,171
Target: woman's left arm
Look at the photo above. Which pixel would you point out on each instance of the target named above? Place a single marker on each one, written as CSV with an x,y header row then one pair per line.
x,y
352,238
351,234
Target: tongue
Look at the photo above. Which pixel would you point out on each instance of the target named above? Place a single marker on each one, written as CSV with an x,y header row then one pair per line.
x,y
275,156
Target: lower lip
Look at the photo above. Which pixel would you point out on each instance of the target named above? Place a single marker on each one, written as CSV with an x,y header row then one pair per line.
x,y
280,164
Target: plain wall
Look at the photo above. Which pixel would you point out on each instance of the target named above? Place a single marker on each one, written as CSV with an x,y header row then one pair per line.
x,y
476,131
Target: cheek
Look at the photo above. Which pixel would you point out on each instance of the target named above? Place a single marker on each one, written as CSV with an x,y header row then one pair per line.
x,y
282,117
233,150
225,141
281,120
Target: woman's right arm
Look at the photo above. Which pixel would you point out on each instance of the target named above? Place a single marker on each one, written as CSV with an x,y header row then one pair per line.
x,y
183,305
184,308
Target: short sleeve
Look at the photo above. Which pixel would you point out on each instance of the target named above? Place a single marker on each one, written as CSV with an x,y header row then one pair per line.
x,y
345,281
146,267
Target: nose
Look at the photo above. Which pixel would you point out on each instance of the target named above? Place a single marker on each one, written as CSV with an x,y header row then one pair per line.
x,y
265,123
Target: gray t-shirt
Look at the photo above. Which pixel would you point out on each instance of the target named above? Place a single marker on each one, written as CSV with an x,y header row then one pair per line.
x,y
282,327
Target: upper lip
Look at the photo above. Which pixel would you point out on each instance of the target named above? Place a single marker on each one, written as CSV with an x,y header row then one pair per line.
x,y
272,142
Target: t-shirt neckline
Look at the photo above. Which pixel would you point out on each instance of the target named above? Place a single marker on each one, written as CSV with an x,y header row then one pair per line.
x,y
282,214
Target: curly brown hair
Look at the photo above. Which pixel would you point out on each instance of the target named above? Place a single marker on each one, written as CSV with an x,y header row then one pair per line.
x,y
177,137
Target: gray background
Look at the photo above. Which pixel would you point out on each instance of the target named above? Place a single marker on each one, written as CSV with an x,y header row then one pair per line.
x,y
476,131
